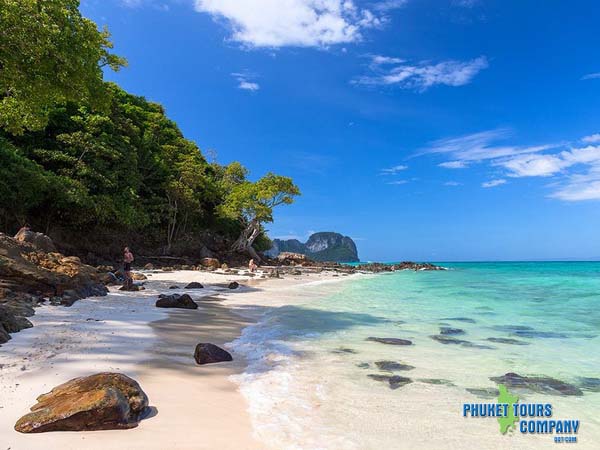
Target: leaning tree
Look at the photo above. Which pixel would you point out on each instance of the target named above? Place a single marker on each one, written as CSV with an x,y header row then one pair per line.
x,y
252,203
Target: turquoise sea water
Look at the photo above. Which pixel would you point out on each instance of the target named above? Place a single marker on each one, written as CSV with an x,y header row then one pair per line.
x,y
309,382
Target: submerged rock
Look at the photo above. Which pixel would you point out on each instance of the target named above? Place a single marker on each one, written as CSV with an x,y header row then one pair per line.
x,y
510,341
484,392
451,331
209,353
104,401
176,301
436,381
448,339
392,366
452,340
541,384
394,381
344,350
589,384
233,285
539,334
194,285
363,365
173,287
459,319
390,341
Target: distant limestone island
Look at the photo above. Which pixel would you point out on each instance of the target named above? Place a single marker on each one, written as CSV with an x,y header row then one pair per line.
x,y
332,250
322,246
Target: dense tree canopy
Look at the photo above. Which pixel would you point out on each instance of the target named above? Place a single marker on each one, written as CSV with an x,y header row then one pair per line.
x,y
79,156
49,54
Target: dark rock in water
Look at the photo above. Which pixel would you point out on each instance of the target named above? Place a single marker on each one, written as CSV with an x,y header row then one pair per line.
x,y
173,287
541,385
459,319
104,401
540,334
209,353
589,384
450,330
448,339
390,341
484,392
233,285
12,320
194,285
452,340
436,381
363,365
391,366
176,301
512,328
343,350
510,341
394,381
4,336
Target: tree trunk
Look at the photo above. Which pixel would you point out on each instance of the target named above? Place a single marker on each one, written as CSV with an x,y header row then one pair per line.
x,y
247,238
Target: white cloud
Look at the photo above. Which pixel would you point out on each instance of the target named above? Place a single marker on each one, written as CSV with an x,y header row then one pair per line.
x,y
397,182
478,147
493,183
421,76
591,139
299,23
533,165
591,76
452,183
454,165
380,60
393,170
244,81
387,5
543,165
576,168
465,3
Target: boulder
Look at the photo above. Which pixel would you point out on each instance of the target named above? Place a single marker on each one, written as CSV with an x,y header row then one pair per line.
x,y
390,341
211,263
32,271
224,266
391,366
149,266
233,285
537,384
173,287
394,381
136,276
194,285
176,301
450,330
104,401
209,353
38,240
4,336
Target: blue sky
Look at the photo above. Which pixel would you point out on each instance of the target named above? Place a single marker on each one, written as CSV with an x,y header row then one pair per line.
x,y
427,130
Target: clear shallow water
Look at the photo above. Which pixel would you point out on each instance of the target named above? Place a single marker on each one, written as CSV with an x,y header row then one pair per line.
x,y
307,382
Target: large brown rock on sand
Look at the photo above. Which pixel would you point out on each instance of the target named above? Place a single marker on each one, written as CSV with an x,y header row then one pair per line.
x,y
207,353
104,401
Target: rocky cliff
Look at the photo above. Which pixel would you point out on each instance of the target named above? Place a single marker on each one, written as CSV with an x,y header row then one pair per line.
x,y
323,246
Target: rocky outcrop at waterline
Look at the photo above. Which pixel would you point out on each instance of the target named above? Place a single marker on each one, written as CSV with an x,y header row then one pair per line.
x,y
104,401
30,275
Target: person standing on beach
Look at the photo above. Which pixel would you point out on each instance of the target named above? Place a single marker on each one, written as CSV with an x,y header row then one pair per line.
x,y
252,266
127,260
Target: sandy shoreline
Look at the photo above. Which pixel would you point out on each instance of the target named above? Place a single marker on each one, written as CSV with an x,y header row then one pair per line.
x,y
194,406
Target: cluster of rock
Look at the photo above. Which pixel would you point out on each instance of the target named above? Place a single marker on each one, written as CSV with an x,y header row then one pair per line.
x,y
31,272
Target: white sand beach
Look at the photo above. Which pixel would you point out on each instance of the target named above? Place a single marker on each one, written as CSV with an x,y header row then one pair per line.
x,y
192,406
